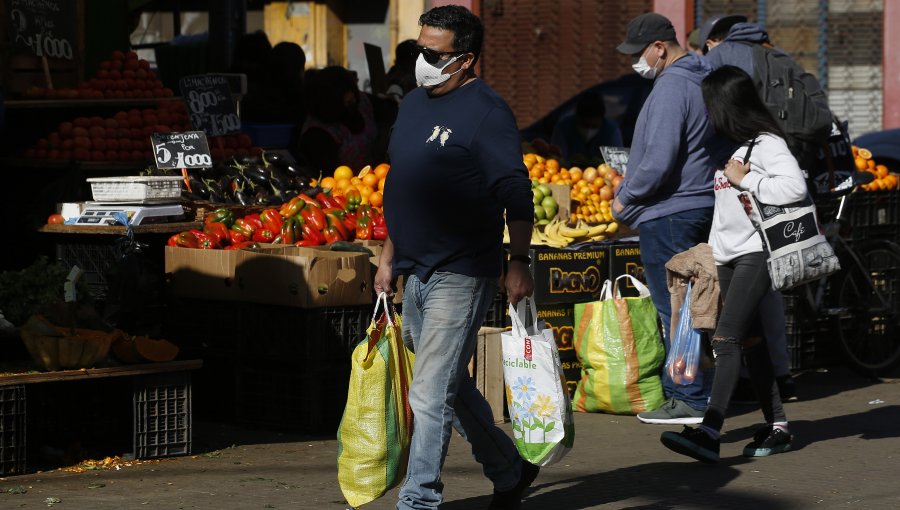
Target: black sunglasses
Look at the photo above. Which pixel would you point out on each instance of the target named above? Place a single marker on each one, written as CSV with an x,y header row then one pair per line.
x,y
432,57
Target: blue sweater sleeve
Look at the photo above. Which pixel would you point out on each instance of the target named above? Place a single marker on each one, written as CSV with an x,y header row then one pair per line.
x,y
498,151
658,149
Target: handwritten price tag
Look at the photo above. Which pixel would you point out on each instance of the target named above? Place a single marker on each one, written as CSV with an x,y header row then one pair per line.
x,y
181,150
210,107
44,28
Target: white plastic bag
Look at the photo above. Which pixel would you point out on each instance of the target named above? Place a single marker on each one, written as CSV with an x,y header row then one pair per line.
x,y
539,405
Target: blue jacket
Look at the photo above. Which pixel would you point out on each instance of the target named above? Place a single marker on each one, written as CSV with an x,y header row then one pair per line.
x,y
669,166
732,51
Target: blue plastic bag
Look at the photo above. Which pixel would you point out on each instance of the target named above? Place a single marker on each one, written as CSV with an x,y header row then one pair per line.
x,y
683,360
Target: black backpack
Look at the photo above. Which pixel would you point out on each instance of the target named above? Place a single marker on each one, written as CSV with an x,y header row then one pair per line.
x,y
797,102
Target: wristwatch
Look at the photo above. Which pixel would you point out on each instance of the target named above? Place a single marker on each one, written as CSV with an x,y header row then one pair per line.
x,y
521,258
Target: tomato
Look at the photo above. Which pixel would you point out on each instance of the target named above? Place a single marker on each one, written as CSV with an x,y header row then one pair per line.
x,y
56,219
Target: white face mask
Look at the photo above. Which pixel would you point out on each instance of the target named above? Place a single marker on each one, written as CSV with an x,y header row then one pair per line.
x,y
644,69
428,75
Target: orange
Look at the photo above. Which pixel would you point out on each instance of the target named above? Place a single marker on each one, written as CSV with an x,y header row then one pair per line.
x,y
365,191
552,164
365,170
860,163
381,184
328,182
376,199
870,163
864,153
355,181
881,170
343,172
381,170
370,179
342,184
891,181
575,174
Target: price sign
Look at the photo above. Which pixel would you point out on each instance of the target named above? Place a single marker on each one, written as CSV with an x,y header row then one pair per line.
x,y
44,28
181,150
616,157
211,109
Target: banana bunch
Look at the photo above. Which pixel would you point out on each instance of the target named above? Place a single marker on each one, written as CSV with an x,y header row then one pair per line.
x,y
559,235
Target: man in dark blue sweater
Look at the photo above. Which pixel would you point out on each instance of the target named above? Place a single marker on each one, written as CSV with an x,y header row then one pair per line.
x,y
456,166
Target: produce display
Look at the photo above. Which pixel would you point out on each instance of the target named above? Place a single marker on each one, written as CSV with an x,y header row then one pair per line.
x,y
122,76
884,180
263,179
591,194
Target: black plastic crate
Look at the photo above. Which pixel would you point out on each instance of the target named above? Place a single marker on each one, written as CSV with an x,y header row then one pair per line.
x,y
12,430
162,415
283,397
308,336
870,214
203,328
807,334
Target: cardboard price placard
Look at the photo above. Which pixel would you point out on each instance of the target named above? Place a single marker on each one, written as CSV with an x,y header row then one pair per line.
x,y
181,150
209,103
616,157
44,28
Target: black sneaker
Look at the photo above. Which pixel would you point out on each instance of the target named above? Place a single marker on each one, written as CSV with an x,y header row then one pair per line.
x,y
787,388
768,441
694,443
512,499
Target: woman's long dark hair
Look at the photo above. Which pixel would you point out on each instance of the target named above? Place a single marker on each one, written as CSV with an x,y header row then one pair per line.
x,y
735,109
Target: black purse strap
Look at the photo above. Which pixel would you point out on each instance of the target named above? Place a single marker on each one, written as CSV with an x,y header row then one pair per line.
x,y
749,151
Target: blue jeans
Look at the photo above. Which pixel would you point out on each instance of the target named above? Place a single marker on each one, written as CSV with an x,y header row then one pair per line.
x,y
660,240
441,319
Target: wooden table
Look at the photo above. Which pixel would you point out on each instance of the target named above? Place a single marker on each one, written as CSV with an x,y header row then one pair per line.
x,y
161,395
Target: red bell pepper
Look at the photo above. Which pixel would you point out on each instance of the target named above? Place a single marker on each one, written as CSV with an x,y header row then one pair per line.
x,y
291,230
379,232
254,220
244,227
219,231
220,215
271,220
292,207
184,239
311,233
332,234
314,216
242,246
263,235
364,228
205,241
335,218
350,221
327,200
341,200
235,237
305,242
310,200
364,210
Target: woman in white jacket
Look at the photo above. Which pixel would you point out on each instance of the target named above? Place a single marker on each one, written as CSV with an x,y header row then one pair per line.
x,y
774,177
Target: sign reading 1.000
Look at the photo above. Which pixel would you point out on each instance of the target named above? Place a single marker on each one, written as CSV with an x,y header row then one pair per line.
x,y
45,28
181,150
208,98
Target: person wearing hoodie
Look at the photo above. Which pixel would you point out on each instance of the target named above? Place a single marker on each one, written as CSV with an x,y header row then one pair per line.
x,y
667,192
726,40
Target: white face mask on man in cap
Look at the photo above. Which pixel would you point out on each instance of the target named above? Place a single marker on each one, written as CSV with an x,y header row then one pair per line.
x,y
643,68
431,75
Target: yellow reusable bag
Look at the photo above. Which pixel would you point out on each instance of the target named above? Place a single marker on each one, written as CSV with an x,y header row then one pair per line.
x,y
374,434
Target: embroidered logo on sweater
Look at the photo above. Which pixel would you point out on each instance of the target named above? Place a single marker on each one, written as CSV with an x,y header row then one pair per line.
x,y
441,134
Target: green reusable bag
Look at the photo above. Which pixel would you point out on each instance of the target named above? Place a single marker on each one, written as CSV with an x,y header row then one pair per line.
x,y
621,352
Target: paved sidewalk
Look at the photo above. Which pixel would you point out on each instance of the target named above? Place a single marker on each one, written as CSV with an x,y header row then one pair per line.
x,y
846,455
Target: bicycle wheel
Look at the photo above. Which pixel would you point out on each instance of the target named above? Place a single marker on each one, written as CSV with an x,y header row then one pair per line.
x,y
868,297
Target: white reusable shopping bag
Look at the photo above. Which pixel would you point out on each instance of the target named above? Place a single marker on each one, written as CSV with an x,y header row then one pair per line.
x,y
539,405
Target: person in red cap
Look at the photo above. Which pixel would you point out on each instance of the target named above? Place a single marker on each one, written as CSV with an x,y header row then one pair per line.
x,y
667,191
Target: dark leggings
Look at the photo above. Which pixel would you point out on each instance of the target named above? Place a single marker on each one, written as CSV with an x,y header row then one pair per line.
x,y
742,282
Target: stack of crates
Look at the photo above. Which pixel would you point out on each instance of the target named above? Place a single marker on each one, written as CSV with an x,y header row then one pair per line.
x,y
12,430
162,415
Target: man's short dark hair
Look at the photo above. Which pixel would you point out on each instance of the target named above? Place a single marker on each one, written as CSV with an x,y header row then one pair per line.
x,y
468,32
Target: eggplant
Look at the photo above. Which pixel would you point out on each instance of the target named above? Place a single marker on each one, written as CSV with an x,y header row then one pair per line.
x,y
216,197
214,186
199,188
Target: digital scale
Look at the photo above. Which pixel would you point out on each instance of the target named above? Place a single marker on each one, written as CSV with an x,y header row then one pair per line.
x,y
99,213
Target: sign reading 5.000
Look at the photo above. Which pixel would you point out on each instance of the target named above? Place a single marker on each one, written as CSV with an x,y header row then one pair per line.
x,y
45,28
211,109
181,150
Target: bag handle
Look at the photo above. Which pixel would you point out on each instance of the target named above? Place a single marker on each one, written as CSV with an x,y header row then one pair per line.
x,y
606,290
643,291
749,151
382,302
517,316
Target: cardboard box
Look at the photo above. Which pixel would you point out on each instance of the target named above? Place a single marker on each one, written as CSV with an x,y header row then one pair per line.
x,y
201,274
567,275
625,258
562,193
486,367
303,277
376,247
